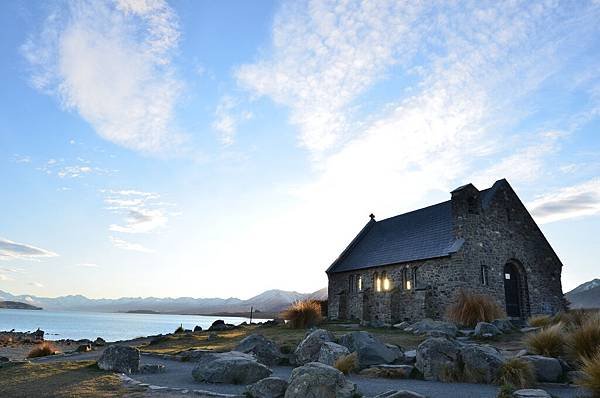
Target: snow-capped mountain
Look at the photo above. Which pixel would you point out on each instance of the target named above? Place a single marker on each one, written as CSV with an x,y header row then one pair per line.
x,y
586,295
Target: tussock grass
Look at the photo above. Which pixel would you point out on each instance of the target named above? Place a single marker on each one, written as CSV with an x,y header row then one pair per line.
x,y
584,340
516,372
469,308
591,374
539,320
549,341
347,363
41,350
303,314
573,319
506,391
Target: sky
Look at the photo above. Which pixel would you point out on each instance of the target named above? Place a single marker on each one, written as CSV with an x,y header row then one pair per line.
x,y
219,149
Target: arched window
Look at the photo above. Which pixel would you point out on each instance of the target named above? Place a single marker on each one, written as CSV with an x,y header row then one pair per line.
x,y
377,282
385,282
359,283
406,279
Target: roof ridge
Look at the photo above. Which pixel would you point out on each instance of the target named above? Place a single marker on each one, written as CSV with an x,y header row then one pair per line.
x,y
416,210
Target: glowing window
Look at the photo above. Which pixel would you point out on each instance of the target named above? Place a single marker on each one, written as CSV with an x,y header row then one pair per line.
x,y
408,285
377,283
359,283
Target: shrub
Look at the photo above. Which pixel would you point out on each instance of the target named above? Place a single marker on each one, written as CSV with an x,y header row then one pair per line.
x,y
549,341
303,314
470,308
516,372
44,349
539,320
506,391
591,374
180,329
347,363
584,341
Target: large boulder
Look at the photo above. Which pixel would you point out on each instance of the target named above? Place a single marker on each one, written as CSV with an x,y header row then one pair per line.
x,y
481,363
220,325
400,394
370,350
317,380
230,368
330,352
265,350
308,350
429,326
546,369
269,387
438,359
531,393
504,325
120,359
485,329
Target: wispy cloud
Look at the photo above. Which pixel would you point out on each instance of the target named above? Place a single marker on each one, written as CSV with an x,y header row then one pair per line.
x,y
126,245
570,202
13,250
72,169
36,284
142,211
227,119
87,265
111,62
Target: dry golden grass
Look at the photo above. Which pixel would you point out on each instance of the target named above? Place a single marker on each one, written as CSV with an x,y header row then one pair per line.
x,y
591,374
516,372
347,363
549,341
43,349
584,340
469,308
539,320
303,314
573,319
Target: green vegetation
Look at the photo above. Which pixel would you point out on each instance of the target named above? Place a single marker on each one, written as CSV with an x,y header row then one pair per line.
x,y
303,314
468,309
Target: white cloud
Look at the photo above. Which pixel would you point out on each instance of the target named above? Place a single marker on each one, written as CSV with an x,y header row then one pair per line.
x,y
126,245
36,284
111,62
4,278
87,265
227,119
570,202
12,250
142,211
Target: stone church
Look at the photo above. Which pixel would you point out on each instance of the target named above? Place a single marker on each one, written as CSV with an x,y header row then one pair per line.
x,y
411,266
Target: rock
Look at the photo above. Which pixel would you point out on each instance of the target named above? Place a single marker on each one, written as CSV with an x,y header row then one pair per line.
x,y
152,368
574,375
194,355
197,329
410,357
438,359
38,335
330,352
531,393
401,325
84,348
485,329
120,359
99,342
521,353
546,369
529,329
4,359
429,325
308,350
389,371
317,380
400,394
269,387
229,367
504,325
220,325
370,350
481,363
265,350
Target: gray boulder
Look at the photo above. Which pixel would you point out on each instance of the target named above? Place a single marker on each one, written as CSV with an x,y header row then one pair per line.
x,y
504,325
546,369
531,393
370,350
481,363
308,350
401,325
120,359
230,368
400,394
410,357
438,359
269,387
485,329
265,350
330,352
427,326
317,380
99,342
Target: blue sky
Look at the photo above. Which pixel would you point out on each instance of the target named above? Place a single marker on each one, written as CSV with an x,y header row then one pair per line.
x,y
195,148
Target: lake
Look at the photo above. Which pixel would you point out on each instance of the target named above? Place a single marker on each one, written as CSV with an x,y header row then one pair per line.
x,y
110,326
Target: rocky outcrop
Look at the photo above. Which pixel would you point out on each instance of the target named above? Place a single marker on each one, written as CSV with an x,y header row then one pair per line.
x,y
317,380
265,350
220,325
99,342
230,368
546,369
486,330
308,350
120,359
330,352
197,329
370,350
429,326
270,387
481,363
438,359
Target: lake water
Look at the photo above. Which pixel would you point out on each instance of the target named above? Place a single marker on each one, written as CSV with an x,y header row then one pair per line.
x,y
111,327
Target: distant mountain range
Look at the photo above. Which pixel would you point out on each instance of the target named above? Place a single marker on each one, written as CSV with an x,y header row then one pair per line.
x,y
270,301
586,295
16,305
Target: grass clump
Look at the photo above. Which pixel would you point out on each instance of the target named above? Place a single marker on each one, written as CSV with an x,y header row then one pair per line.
x,y
539,320
516,372
584,341
347,363
591,374
506,391
549,341
42,350
303,314
469,309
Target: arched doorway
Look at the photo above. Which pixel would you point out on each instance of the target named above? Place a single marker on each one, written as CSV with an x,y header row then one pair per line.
x,y
512,290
